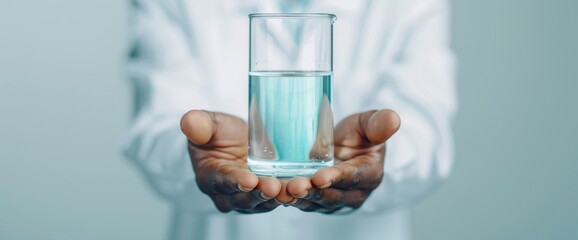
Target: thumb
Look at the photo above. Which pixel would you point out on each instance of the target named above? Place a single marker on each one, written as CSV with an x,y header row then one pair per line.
x,y
198,126
378,126
371,127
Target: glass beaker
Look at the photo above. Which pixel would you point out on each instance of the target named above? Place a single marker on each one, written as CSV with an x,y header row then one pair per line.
x,y
290,92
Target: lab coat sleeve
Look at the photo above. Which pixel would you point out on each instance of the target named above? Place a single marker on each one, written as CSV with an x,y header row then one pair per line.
x,y
167,81
418,82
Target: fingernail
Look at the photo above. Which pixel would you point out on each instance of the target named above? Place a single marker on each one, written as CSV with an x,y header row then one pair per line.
x,y
293,201
302,195
243,188
325,185
277,201
264,196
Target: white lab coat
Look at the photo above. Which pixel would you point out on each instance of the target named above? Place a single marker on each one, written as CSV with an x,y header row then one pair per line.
x,y
192,54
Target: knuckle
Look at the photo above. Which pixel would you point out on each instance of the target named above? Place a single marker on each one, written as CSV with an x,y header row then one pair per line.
x,y
380,175
306,206
334,199
376,180
203,186
210,180
310,208
358,200
223,209
357,204
241,203
256,194
269,205
222,183
221,204
317,195
215,185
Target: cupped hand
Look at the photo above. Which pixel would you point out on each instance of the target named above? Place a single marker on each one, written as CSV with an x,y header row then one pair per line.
x,y
358,170
218,152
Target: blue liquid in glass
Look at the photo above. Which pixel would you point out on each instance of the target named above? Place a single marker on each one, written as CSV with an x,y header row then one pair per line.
x,y
290,123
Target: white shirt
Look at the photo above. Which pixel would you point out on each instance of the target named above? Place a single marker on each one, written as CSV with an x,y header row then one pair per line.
x,y
192,54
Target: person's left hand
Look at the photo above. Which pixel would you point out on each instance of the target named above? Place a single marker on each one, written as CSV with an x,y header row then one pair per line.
x,y
359,158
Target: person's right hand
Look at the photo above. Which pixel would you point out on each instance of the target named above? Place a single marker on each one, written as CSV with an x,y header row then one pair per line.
x,y
218,151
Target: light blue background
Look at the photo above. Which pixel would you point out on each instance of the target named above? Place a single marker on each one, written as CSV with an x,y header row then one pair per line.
x,y
516,175
64,107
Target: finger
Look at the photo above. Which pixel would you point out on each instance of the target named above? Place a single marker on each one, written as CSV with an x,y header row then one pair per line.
x,y
214,129
284,196
243,202
269,187
251,202
337,198
266,206
367,128
355,198
246,200
222,203
299,187
266,189
225,178
306,205
309,206
330,198
361,172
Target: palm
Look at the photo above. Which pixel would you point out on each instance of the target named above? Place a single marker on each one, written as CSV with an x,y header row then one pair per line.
x,y
218,151
358,170
224,147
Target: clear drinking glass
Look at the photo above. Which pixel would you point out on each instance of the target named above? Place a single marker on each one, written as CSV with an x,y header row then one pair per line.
x,y
290,92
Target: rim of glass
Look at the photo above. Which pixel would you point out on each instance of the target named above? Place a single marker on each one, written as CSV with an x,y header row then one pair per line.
x,y
292,15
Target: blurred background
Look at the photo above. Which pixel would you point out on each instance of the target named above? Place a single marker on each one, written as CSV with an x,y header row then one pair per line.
x,y
65,106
